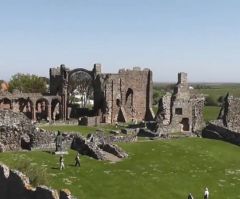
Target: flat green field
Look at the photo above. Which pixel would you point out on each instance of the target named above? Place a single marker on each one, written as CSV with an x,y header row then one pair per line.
x,y
155,169
84,130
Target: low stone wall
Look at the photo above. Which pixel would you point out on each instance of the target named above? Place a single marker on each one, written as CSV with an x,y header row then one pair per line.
x,y
15,185
216,130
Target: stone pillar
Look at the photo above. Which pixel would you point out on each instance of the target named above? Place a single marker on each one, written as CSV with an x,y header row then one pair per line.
x,y
49,112
34,111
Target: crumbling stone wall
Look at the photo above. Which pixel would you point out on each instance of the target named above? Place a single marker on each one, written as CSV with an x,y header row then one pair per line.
x,y
17,132
126,96
35,106
122,97
230,113
181,111
96,144
14,184
227,126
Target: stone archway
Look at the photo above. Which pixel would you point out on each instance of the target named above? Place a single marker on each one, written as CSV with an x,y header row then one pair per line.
x,y
129,104
5,104
56,109
80,93
42,109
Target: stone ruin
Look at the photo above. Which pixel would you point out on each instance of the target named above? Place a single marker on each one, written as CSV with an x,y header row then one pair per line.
x,y
98,145
17,132
15,184
122,97
181,111
227,125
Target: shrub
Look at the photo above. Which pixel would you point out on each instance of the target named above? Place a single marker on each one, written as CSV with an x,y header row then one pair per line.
x,y
210,101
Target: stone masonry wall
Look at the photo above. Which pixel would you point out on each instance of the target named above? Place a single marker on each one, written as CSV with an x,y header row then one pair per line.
x,y
232,113
17,132
15,185
181,111
127,95
227,127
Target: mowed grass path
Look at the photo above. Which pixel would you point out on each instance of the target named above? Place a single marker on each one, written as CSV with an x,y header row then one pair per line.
x,y
155,169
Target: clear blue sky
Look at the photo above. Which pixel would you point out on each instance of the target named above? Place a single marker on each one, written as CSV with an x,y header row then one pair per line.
x,y
201,37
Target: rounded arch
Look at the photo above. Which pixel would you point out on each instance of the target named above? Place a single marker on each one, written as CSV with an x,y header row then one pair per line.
x,y
129,97
5,103
80,70
55,109
80,90
42,109
22,103
29,108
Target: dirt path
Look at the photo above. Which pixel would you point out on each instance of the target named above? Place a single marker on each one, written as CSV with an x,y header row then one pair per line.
x,y
110,157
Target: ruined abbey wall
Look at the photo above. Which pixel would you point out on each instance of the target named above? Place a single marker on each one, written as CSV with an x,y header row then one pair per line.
x,y
180,111
122,97
126,95
226,127
231,116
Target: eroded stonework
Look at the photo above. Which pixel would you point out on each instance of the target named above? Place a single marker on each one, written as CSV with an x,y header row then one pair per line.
x,y
125,96
122,97
226,127
181,111
17,132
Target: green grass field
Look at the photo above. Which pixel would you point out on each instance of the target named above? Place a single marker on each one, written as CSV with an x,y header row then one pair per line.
x,y
164,169
155,169
211,112
84,130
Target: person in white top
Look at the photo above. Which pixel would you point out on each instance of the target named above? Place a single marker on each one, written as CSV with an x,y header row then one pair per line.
x,y
190,196
206,193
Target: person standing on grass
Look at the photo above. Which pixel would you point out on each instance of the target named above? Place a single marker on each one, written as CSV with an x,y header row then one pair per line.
x,y
61,162
77,160
206,194
190,196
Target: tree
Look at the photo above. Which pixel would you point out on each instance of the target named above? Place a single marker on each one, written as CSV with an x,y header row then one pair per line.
x,y
210,101
80,86
27,83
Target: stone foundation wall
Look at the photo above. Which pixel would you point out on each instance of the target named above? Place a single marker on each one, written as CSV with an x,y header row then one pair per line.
x,y
15,185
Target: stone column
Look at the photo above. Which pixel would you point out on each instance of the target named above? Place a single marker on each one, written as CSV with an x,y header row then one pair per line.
x,y
34,111
49,112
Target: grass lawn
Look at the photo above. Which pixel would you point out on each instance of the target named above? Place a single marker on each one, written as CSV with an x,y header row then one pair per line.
x,y
211,112
155,169
84,130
